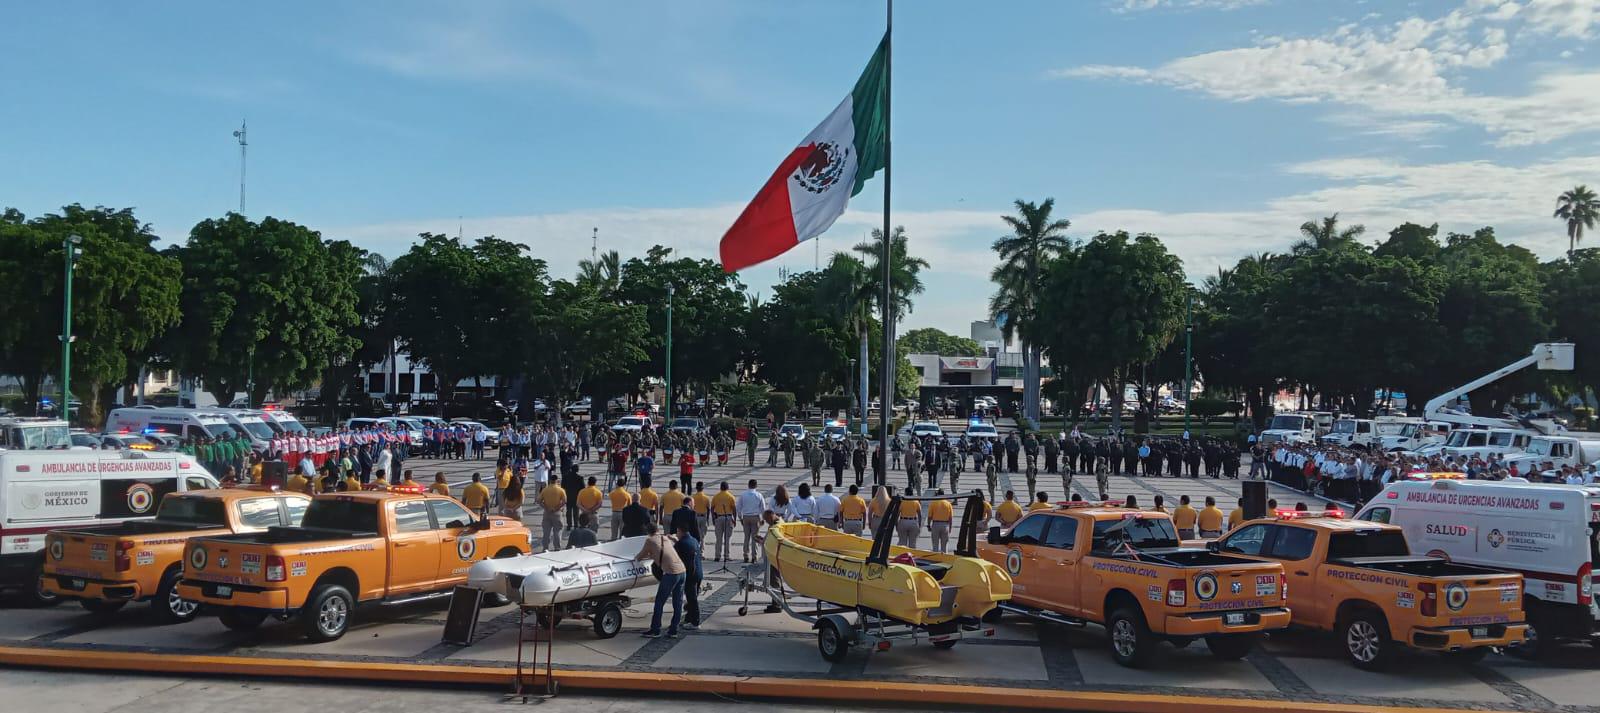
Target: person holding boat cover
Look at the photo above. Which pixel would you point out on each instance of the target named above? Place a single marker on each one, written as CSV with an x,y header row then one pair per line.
x,y
661,550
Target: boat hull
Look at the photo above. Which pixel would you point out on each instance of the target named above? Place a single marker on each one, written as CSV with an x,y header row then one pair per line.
x,y
552,578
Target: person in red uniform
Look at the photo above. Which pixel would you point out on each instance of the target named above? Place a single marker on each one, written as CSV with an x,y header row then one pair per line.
x,y
686,471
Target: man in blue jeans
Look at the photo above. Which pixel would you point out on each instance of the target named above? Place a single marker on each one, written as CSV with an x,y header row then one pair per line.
x,y
688,548
659,550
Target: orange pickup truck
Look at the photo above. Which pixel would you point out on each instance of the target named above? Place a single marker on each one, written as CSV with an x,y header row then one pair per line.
x,y
104,568
361,547
1125,569
1359,579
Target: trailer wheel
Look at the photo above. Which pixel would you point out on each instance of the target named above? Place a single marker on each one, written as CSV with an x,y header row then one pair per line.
x,y
744,610
946,644
831,641
608,621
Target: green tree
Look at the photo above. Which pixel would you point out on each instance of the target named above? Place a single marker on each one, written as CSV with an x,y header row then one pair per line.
x,y
581,334
124,296
1491,310
1326,235
268,300
804,348
1111,305
1579,207
1231,333
1413,241
708,317
905,281
930,340
1036,239
1572,298
604,273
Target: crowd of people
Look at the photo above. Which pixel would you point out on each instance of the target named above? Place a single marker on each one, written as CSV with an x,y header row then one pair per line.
x,y
1354,475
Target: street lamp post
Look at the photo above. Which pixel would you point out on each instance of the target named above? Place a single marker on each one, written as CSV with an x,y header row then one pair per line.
x,y
71,247
669,354
1188,356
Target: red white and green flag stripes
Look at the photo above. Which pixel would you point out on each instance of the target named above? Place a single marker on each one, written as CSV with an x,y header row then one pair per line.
x,y
818,178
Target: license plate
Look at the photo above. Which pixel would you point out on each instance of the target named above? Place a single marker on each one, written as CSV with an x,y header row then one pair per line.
x,y
78,584
1479,632
224,591
1233,619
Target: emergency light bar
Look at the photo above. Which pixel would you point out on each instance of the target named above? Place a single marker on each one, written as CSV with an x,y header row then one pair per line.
x,y
407,489
1335,514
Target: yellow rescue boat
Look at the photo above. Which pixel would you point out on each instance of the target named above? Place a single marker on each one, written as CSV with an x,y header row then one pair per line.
x,y
912,586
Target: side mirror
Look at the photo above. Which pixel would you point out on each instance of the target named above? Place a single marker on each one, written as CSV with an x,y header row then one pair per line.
x,y
479,524
995,538
1214,546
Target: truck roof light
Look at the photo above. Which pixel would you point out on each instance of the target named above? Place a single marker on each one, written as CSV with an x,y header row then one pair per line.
x,y
1286,514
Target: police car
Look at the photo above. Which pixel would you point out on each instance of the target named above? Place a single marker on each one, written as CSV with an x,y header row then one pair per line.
x,y
979,429
792,430
835,431
630,424
926,428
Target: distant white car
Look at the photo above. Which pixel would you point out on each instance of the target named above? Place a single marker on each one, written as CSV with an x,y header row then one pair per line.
x,y
630,424
792,430
835,431
982,430
926,428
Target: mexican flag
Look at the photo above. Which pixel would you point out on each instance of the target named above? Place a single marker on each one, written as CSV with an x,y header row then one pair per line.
x,y
817,179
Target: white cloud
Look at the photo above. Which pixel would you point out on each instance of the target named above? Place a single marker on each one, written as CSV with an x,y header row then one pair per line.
x,y
1141,5
1407,70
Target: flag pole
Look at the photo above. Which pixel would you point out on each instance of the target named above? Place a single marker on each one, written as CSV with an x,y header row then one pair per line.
x,y
886,370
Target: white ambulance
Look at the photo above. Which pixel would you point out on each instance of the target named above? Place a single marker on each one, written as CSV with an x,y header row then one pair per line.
x,y
45,490
1548,533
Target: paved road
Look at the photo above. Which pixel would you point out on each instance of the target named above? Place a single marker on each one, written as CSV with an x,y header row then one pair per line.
x,y
1295,667
68,692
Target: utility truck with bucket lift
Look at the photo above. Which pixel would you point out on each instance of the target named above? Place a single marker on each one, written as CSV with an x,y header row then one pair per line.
x,y
1360,580
1485,435
106,567
1125,569
392,546
1550,534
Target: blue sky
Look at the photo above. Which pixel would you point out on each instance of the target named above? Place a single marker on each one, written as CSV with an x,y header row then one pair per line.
x,y
1219,125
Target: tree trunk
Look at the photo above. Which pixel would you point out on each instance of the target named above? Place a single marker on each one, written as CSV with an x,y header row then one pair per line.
x,y
1116,398
31,384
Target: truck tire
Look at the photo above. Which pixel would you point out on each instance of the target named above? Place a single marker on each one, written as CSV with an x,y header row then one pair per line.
x,y
1535,647
1129,637
36,596
1366,640
169,607
608,621
101,606
326,615
241,619
992,616
1230,647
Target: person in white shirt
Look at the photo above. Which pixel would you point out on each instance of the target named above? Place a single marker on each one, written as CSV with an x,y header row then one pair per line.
x,y
384,463
541,471
749,506
828,508
802,508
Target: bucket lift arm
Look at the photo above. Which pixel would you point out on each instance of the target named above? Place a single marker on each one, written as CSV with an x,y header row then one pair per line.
x,y
1548,357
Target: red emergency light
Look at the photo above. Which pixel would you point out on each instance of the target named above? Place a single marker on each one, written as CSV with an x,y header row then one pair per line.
x,y
1286,514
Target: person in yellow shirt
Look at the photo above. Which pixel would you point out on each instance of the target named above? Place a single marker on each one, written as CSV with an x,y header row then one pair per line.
x,y
724,508
476,495
410,481
701,504
297,483
1236,518
650,499
1009,511
552,499
440,485
940,514
1210,520
255,473
1041,502
988,511
910,523
672,500
1183,518
620,498
589,501
853,511
351,483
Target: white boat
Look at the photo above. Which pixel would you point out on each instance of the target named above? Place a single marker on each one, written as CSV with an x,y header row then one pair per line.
x,y
551,578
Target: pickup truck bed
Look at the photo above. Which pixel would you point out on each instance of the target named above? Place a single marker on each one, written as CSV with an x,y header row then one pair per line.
x,y
1419,566
136,528
1176,557
294,535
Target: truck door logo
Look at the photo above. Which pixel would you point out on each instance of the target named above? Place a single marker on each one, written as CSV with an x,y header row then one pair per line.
x,y
1455,596
1014,562
1205,586
140,498
465,547
197,558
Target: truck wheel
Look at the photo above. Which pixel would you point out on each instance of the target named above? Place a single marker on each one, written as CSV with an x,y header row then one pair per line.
x,y
1366,641
831,641
1230,647
992,616
36,596
241,619
101,606
326,615
1534,647
170,607
1130,638
608,621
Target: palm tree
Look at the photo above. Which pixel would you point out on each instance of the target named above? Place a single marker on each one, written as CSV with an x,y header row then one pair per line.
x,y
905,280
848,288
604,273
1036,238
1580,208
1326,235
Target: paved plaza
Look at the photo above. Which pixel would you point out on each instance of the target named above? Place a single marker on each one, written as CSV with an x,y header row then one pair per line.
x,y
1024,654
